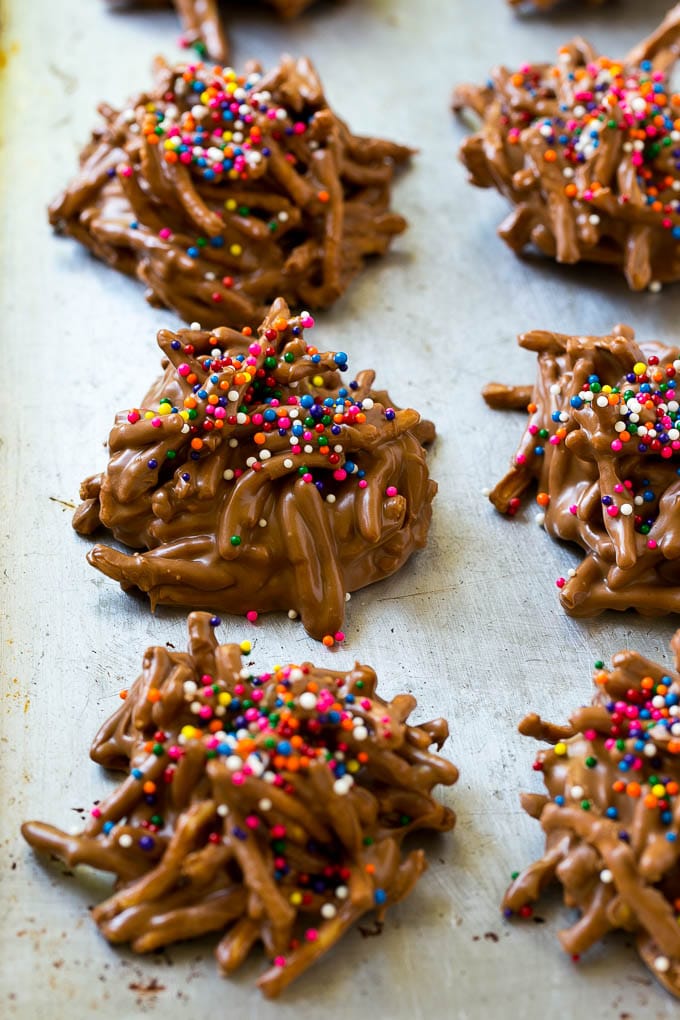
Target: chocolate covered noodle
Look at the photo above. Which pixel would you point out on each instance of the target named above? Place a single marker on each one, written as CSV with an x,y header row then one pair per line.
x,y
265,809
222,191
611,814
602,446
255,479
587,151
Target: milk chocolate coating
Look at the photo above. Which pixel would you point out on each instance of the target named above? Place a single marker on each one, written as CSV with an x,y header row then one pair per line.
x,y
222,192
612,814
201,23
265,809
587,153
605,463
294,491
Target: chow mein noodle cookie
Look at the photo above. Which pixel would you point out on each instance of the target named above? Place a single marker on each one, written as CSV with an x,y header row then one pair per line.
x,y
256,480
263,808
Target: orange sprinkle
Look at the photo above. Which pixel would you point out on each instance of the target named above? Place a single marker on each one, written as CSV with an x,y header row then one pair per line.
x,y
153,695
543,499
633,789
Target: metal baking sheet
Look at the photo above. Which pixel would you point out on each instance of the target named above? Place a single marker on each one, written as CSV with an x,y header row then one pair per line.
x,y
472,626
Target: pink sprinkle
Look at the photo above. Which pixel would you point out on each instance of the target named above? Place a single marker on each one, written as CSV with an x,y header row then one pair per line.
x,y
96,812
363,483
183,369
251,615
560,582
573,509
339,635
279,961
651,544
165,233
339,474
391,490
520,459
133,417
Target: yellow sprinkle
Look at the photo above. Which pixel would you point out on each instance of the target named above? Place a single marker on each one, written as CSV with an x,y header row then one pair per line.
x,y
236,249
318,380
639,368
245,647
606,389
148,414
150,107
164,409
189,732
184,415
560,748
658,790
230,205
353,766
296,898
224,698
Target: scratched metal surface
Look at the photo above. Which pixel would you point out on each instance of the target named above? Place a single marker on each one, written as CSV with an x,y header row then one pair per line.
x,y
472,625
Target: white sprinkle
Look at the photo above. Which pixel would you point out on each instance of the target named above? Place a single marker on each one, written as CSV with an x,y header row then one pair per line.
x,y
288,463
223,810
367,403
265,804
348,596
626,509
195,326
577,792
342,892
241,418
655,286
234,763
606,876
233,394
262,522
307,700
594,219
292,614
190,687
662,964
540,520
330,498
265,454
195,707
125,840
360,733
228,475
233,443
328,911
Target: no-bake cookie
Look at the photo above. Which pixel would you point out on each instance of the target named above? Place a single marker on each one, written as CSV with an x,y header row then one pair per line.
x,y
256,480
263,808
587,150
201,22
603,446
223,191
611,814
